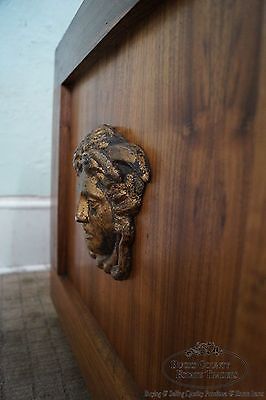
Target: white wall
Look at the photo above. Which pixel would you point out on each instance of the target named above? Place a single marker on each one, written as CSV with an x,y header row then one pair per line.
x,y
30,31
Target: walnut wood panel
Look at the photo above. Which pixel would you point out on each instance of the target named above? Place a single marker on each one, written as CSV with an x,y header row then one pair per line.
x,y
96,20
98,25
91,346
187,85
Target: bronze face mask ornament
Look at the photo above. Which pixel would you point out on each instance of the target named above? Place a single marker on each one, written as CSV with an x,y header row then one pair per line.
x,y
113,174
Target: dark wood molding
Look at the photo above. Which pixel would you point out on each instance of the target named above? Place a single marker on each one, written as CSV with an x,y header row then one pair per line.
x,y
92,23
97,25
104,372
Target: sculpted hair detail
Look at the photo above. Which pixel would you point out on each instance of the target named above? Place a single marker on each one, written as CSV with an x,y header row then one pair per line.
x,y
120,171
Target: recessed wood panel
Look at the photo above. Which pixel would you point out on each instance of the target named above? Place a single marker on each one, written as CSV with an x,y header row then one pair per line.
x,y
187,85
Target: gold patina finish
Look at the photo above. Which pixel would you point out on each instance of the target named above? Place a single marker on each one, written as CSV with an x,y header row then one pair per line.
x,y
113,174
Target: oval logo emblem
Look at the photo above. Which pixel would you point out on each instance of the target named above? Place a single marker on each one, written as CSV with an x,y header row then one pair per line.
x,y
203,366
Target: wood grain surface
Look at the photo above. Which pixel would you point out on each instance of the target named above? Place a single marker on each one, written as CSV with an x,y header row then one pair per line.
x,y
97,26
187,84
109,380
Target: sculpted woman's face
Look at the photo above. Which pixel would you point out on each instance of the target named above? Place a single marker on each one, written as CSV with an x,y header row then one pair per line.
x,y
112,174
94,212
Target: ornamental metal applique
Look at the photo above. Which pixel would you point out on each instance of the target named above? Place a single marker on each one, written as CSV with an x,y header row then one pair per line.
x,y
112,174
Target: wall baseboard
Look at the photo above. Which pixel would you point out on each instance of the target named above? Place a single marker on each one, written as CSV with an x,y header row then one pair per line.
x,y
24,232
24,202
24,268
